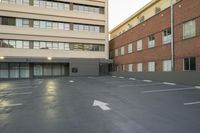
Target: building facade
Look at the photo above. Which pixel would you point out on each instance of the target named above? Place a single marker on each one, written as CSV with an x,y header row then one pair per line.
x,y
142,43
44,38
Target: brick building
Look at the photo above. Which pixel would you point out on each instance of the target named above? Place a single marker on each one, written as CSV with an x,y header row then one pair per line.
x,y
142,43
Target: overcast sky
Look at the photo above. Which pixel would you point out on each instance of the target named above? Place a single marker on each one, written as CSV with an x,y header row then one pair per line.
x,y
119,10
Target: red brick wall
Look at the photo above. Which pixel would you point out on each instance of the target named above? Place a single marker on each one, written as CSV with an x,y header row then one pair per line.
x,y
185,10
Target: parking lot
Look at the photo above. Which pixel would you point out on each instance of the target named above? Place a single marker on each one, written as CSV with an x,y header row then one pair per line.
x,y
107,104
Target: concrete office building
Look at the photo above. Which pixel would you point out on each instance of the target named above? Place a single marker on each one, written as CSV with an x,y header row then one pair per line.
x,y
44,38
142,43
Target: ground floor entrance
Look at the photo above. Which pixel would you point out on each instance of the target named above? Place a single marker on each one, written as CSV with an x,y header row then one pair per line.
x,y
33,70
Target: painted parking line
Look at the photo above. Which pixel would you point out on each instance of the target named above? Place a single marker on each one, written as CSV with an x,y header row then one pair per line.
x,y
13,94
140,85
20,88
121,82
169,90
197,87
168,83
148,81
11,105
192,103
71,81
121,77
114,76
132,78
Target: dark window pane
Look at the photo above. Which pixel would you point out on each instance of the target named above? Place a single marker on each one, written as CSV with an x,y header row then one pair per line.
x,y
186,64
193,63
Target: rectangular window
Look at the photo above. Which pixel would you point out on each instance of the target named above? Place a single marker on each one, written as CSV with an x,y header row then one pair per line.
x,y
151,66
130,67
26,44
66,27
139,67
166,38
36,24
139,45
151,41
4,70
12,44
19,44
55,25
36,45
49,45
167,66
14,70
190,64
122,51
19,22
189,29
49,25
60,26
43,24
116,52
25,23
130,48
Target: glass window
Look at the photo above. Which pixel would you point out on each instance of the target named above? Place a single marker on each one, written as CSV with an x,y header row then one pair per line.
x,y
55,25
151,41
25,23
14,70
97,29
61,6
36,24
24,71
75,27
3,70
166,36
151,66
189,29
12,2
5,1
55,5
116,52
25,2
55,45
42,45
167,66
56,70
139,67
130,48
61,46
47,70
36,45
19,22
139,45
38,70
42,3
36,3
66,6
26,44
19,44
92,29
12,44
67,46
49,45
19,2
42,24
190,64
5,43
48,4
66,26
49,25
122,51
130,67
61,26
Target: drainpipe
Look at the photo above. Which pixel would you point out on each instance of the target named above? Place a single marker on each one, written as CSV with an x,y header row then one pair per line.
x,y
172,35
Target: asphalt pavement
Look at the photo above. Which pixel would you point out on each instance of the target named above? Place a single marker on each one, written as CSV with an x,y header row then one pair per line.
x,y
108,104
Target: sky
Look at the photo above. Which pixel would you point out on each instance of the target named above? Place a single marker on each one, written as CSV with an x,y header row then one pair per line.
x,y
119,10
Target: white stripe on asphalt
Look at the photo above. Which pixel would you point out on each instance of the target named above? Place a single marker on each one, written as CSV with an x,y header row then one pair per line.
x,y
114,76
13,94
148,81
169,90
121,77
19,88
168,83
140,85
132,78
11,105
197,87
71,81
192,103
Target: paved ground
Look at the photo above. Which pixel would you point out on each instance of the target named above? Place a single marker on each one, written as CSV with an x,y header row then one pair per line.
x,y
65,105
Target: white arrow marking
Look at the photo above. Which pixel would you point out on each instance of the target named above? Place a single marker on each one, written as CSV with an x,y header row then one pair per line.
x,y
102,105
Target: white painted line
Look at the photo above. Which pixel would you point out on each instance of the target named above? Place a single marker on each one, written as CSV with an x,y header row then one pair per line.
x,y
197,87
168,83
192,103
114,76
148,81
13,94
132,78
121,77
140,85
71,81
10,105
102,105
169,90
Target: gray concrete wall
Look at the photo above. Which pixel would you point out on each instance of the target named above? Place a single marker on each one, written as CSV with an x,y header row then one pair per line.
x,y
86,67
186,78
